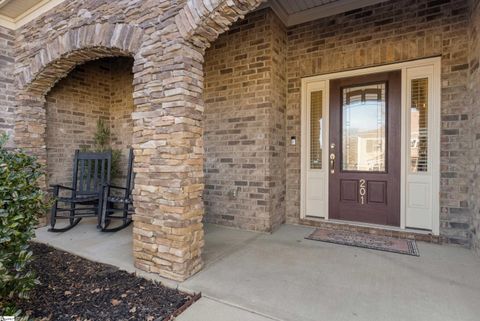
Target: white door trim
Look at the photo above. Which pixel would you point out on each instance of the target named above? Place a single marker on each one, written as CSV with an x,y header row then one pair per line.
x,y
408,68
316,179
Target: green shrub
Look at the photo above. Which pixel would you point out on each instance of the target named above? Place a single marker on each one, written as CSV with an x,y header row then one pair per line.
x,y
21,201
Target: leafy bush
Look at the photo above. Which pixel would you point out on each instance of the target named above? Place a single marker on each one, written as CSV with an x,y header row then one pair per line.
x,y
21,201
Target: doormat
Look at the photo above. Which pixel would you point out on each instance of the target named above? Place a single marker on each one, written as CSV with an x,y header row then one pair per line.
x,y
368,241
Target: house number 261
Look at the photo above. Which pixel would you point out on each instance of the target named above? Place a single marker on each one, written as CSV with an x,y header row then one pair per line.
x,y
362,191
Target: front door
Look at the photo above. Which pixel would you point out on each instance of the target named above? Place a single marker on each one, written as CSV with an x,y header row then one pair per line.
x,y
364,150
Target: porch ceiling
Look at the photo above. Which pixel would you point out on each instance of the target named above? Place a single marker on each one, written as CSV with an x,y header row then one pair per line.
x,y
293,12
15,13
292,7
13,9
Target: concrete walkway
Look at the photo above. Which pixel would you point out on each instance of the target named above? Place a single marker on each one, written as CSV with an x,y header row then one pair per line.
x,y
282,276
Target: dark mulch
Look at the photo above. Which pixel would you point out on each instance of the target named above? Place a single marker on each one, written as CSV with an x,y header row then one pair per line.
x,y
73,288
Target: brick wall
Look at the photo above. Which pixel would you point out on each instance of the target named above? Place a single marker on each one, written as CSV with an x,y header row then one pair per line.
x,y
244,125
389,32
386,33
7,92
98,89
121,108
474,88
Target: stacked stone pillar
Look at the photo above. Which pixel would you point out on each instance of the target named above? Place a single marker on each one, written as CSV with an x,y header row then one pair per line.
x,y
168,231
168,139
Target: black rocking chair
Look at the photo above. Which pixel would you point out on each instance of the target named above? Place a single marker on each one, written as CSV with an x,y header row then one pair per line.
x,y
91,171
118,206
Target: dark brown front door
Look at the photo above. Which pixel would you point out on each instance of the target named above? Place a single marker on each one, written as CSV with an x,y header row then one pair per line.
x,y
365,129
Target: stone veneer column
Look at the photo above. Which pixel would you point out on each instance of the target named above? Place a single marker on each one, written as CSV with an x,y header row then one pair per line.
x,y
168,143
168,138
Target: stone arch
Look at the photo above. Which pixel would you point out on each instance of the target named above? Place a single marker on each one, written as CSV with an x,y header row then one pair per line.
x,y
76,46
202,21
37,75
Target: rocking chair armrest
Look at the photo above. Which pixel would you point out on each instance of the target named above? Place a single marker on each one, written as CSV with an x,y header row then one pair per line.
x,y
114,186
61,186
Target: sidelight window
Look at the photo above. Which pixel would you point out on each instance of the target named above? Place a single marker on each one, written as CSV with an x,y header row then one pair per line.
x,y
419,125
316,124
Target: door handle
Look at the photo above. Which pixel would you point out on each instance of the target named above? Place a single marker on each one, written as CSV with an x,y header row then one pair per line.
x,y
332,163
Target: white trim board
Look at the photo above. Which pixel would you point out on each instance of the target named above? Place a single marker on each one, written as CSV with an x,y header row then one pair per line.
x,y
29,15
424,216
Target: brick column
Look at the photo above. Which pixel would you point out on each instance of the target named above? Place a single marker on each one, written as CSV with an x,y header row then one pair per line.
x,y
168,143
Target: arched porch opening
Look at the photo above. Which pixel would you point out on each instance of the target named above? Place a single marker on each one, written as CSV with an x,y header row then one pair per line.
x,y
94,96
77,81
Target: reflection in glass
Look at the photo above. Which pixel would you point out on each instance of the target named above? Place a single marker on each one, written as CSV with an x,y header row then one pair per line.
x,y
419,125
364,138
316,106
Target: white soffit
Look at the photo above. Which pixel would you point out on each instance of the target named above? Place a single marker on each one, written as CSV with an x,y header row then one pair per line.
x,y
16,13
294,12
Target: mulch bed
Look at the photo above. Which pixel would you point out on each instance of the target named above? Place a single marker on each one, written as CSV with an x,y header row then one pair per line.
x,y
73,288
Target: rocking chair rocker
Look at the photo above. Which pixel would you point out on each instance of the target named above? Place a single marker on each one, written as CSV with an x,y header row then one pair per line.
x,y
118,206
91,171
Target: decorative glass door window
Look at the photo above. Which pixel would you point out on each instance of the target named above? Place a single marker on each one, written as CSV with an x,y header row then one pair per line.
x,y
363,128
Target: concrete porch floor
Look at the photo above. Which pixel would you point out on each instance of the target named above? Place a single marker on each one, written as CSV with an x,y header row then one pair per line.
x,y
281,276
